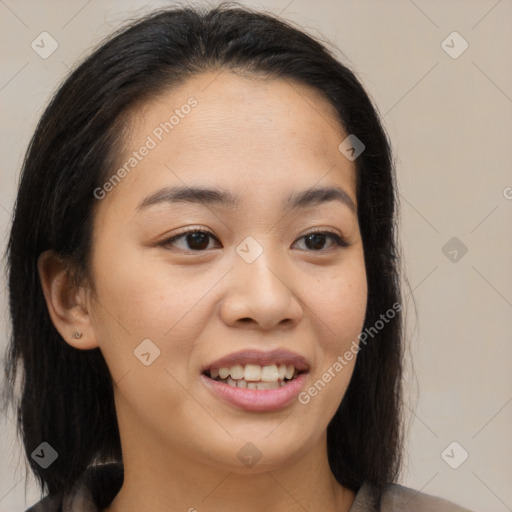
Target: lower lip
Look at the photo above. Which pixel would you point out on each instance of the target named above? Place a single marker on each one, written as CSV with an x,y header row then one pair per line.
x,y
257,399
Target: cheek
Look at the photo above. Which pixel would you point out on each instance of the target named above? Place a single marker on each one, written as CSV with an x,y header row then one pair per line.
x,y
348,307
340,303
340,311
136,302
143,295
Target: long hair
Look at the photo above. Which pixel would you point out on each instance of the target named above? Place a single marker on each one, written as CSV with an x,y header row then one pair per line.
x,y
67,396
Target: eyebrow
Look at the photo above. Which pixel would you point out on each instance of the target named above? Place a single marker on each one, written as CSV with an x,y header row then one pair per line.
x,y
222,197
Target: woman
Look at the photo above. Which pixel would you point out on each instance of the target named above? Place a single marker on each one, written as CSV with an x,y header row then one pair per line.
x,y
204,278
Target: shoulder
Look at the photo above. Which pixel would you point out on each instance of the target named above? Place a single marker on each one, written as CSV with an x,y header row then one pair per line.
x,y
397,498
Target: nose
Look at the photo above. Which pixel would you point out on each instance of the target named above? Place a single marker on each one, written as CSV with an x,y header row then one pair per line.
x,y
261,294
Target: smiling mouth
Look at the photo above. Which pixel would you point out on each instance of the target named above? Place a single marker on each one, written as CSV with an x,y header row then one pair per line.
x,y
254,376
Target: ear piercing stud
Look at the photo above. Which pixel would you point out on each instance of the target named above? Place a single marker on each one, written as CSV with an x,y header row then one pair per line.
x,y
77,335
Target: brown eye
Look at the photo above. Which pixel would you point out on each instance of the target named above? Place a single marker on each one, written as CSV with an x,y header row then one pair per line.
x,y
198,240
195,240
316,241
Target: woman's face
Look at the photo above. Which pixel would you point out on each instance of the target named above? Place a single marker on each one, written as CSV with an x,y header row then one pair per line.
x,y
255,290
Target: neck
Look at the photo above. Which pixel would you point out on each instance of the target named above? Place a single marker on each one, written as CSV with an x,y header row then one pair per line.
x,y
158,481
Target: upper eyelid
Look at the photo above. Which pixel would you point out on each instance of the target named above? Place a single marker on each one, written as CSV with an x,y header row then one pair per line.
x,y
195,229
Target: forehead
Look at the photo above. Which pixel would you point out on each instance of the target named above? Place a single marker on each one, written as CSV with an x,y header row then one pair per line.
x,y
231,107
234,131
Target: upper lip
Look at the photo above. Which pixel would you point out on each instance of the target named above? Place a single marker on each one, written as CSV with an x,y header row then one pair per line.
x,y
277,356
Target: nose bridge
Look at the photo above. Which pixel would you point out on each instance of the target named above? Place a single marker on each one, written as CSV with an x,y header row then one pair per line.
x,y
257,264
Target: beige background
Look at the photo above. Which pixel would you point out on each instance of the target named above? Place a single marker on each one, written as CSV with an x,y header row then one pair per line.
x,y
450,121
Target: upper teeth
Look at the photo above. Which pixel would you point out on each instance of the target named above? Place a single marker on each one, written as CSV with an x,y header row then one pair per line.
x,y
255,372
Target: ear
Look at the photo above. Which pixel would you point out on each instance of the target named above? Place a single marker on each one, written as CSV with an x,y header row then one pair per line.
x,y
68,304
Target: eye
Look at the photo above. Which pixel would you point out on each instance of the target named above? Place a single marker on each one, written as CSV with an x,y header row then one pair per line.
x,y
316,240
196,239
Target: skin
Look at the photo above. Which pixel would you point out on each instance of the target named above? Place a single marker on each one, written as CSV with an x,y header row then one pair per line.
x,y
261,139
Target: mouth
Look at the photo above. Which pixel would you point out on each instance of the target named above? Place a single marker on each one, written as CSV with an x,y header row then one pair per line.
x,y
257,381
254,376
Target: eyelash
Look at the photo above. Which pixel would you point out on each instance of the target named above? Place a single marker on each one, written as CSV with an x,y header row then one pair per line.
x,y
339,241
